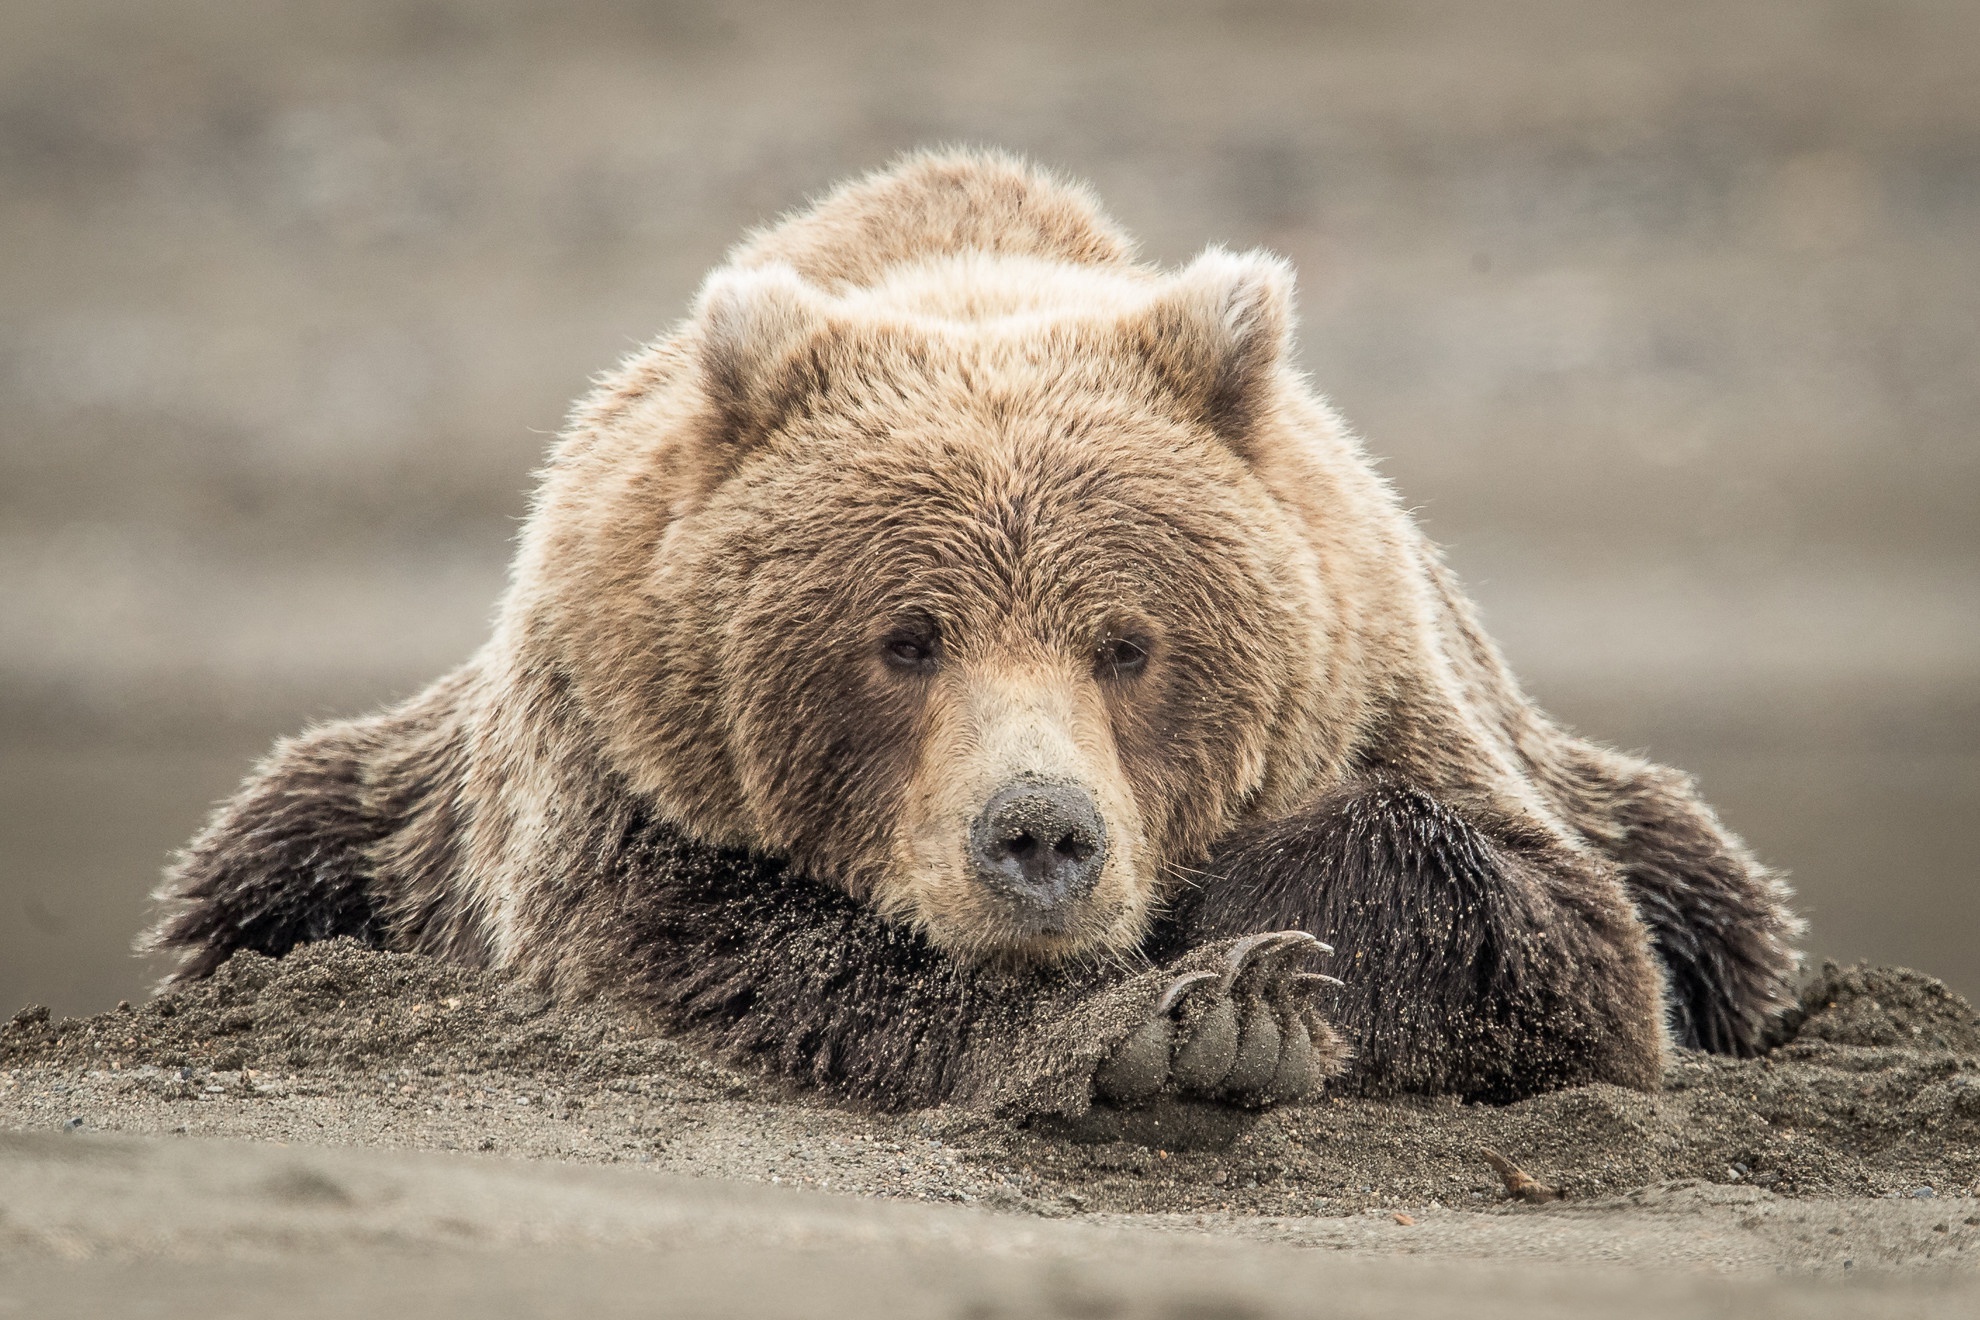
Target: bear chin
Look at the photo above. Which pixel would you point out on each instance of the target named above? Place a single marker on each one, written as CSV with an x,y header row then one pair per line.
x,y
992,931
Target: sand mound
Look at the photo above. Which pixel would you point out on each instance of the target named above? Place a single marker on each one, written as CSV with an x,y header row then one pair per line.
x,y
337,1005
1876,1091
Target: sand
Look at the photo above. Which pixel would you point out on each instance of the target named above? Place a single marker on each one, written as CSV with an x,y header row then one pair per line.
x,y
258,1127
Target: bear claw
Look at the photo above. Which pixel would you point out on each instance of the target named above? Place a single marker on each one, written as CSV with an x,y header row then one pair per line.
x,y
1178,988
1247,1034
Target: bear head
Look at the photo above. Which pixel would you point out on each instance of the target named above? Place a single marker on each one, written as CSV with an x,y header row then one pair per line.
x,y
961,589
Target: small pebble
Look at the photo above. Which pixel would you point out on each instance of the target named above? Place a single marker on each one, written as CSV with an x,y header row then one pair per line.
x,y
1407,1221
1923,1193
72,1125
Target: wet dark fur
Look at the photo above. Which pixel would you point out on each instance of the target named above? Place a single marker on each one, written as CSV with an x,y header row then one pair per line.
x,y
1481,958
772,970
1694,889
349,830
283,863
729,948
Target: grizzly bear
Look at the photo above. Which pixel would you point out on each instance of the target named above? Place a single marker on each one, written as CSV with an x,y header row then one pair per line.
x,y
962,662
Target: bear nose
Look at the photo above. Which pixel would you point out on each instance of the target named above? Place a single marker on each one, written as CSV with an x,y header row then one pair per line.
x,y
1039,843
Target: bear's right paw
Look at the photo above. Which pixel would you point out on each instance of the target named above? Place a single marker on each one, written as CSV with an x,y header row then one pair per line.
x,y
1245,1031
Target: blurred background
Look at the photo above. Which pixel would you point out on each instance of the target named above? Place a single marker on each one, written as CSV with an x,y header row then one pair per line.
x,y
1665,317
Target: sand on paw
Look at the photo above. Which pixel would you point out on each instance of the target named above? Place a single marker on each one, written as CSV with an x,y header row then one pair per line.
x,y
1875,1092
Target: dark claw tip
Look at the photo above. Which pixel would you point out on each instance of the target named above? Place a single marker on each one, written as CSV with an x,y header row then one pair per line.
x,y
1254,947
1178,988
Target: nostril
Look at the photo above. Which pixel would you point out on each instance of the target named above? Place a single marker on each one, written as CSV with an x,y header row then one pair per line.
x,y
1021,846
1070,846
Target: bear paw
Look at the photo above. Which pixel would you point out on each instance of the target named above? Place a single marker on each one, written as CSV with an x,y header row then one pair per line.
x,y
1244,1031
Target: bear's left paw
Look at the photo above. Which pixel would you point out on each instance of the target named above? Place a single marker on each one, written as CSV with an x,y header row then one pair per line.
x,y
1243,1030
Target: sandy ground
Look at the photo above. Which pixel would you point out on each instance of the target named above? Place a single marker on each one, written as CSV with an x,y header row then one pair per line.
x,y
249,1138
99,1225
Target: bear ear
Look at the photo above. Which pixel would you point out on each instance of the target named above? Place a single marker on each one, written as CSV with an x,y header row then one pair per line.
x,y
756,327
1216,335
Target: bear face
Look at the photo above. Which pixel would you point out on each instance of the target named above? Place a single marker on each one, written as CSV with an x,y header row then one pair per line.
x,y
974,576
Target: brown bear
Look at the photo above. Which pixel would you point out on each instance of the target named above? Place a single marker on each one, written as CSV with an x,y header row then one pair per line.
x,y
964,663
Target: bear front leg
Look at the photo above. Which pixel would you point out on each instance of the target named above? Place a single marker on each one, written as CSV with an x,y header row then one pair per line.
x,y
800,981
1481,956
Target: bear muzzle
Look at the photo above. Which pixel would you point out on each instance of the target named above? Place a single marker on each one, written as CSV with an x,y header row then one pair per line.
x,y
1039,846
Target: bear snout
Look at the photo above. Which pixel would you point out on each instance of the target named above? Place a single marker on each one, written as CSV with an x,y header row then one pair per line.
x,y
1039,846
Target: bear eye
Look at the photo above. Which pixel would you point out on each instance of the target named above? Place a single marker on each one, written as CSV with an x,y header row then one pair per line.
x,y
1120,657
910,652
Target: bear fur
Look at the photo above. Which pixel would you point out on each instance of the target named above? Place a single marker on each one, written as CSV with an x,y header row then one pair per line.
x,y
939,494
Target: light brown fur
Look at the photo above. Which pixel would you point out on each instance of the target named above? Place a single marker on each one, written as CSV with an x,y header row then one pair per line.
x,y
946,399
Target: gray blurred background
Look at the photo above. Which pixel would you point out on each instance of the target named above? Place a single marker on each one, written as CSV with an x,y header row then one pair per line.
x,y
1665,316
